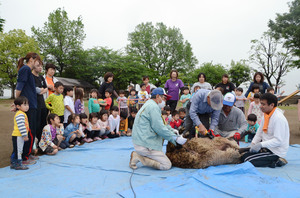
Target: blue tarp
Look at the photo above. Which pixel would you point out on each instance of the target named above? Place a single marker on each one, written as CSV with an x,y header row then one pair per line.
x,y
100,169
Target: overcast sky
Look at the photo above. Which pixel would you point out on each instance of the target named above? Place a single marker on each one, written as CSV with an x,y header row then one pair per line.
x,y
218,30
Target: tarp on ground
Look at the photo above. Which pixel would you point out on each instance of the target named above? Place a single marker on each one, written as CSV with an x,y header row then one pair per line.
x,y
100,169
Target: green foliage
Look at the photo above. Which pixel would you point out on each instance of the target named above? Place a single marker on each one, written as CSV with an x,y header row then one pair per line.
x,y
213,73
13,45
60,38
160,49
287,26
239,72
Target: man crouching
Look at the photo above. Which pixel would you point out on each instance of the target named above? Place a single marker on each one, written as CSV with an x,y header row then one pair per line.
x,y
148,133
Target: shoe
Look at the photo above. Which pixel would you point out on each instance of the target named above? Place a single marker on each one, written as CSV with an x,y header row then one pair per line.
x,y
135,158
71,145
84,140
104,137
128,134
89,140
28,162
97,138
281,162
21,167
123,134
32,157
77,143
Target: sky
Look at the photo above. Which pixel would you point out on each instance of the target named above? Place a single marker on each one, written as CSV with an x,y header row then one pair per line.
x,y
218,30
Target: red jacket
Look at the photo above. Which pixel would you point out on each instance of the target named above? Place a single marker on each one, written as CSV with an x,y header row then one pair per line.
x,y
175,124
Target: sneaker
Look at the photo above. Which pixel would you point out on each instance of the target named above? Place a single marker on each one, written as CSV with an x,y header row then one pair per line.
x,y
21,167
89,140
281,162
28,162
71,145
32,157
84,140
128,134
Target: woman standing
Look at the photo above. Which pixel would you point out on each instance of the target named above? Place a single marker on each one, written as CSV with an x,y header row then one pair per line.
x,y
173,86
259,80
226,85
108,84
201,83
50,79
26,87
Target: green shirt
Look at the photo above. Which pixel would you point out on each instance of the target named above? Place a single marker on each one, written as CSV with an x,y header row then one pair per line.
x,y
149,129
93,107
57,104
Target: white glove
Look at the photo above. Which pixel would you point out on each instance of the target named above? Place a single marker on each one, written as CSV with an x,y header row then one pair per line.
x,y
176,131
254,148
181,140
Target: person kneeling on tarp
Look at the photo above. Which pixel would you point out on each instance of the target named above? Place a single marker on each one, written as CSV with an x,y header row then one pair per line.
x,y
148,133
271,142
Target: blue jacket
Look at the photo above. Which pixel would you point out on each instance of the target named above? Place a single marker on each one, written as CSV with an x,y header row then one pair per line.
x,y
262,88
149,129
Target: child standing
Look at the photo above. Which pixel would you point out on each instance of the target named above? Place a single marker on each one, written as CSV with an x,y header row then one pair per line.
x,y
94,126
103,122
251,128
132,99
94,106
255,89
20,133
131,118
240,99
79,104
143,95
85,128
122,100
114,123
52,135
175,122
72,133
69,104
56,101
108,100
185,97
255,108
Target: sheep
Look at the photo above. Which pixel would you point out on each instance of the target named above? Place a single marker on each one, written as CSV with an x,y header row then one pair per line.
x,y
204,152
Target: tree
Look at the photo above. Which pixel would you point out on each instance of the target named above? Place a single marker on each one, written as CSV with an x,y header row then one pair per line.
x,y
213,72
13,45
160,49
1,24
272,58
60,38
239,72
287,26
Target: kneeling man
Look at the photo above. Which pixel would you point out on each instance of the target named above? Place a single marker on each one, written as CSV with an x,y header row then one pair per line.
x,y
271,142
148,134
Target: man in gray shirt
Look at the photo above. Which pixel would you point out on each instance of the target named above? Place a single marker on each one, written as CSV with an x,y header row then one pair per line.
x,y
232,121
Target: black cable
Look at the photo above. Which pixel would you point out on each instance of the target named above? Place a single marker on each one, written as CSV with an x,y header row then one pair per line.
x,y
131,184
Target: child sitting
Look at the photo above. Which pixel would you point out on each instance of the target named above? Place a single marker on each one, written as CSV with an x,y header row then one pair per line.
x,y
240,99
94,126
164,114
93,105
72,133
168,110
185,97
143,95
255,89
114,123
20,133
52,136
85,128
182,114
251,128
103,122
56,100
255,108
132,99
122,101
131,118
175,122
196,88
69,104
123,124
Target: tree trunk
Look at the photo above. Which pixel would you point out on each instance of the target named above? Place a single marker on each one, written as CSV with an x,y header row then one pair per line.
x,y
13,88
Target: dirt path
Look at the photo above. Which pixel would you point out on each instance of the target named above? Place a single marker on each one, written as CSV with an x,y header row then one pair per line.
x,y
6,126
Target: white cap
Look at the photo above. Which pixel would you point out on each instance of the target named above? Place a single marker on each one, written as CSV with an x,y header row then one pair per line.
x,y
229,99
216,99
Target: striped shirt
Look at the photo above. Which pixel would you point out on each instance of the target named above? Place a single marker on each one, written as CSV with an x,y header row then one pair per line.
x,y
21,125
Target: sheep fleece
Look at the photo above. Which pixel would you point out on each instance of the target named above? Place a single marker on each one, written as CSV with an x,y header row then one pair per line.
x,y
204,152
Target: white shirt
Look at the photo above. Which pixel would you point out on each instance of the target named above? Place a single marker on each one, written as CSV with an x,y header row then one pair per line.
x,y
278,135
68,101
114,123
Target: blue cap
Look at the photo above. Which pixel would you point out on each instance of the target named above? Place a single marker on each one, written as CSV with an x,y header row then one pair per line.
x,y
160,91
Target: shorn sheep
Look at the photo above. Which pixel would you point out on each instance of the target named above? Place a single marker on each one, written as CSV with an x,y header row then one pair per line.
x,y
204,152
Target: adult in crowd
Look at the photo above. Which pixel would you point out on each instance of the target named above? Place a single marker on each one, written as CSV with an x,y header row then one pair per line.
x,y
108,84
201,83
232,121
205,105
271,142
26,87
41,88
50,79
226,85
259,80
148,134
173,86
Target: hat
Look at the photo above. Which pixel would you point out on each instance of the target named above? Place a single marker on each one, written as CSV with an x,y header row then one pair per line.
x,y
216,99
229,99
160,91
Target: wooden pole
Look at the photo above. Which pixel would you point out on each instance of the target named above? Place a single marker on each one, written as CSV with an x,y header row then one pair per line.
x,y
289,96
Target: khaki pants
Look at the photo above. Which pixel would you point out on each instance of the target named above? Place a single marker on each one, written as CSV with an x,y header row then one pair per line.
x,y
158,156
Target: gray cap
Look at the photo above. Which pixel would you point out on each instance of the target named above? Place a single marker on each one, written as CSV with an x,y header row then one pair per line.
x,y
216,99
